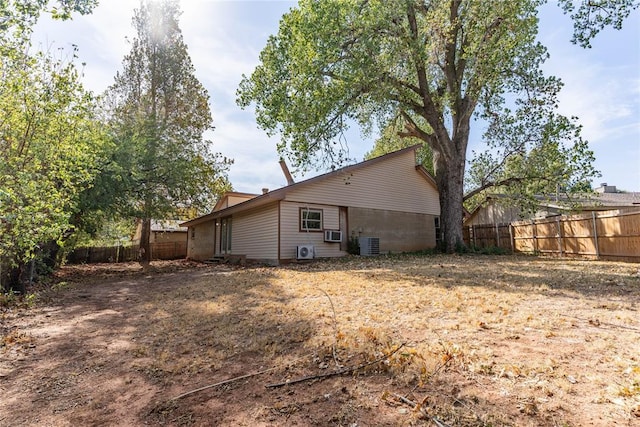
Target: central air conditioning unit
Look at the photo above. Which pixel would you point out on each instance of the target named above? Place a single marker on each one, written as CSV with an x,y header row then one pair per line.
x,y
369,246
332,236
304,252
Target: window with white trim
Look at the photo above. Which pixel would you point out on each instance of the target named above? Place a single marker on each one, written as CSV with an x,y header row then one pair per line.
x,y
310,219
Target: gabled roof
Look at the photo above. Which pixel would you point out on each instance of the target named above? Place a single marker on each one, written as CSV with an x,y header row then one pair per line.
x,y
229,194
596,201
281,193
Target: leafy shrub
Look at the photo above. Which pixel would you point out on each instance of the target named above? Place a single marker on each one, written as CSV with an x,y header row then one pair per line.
x,y
353,246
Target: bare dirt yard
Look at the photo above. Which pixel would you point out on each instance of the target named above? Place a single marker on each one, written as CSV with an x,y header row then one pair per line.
x,y
385,341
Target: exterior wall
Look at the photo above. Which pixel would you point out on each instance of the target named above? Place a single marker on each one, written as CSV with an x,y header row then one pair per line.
x,y
494,213
389,199
393,184
168,237
200,244
233,199
254,233
291,236
398,231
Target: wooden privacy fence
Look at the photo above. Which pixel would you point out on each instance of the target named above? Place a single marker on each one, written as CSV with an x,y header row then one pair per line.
x,y
612,235
159,251
489,236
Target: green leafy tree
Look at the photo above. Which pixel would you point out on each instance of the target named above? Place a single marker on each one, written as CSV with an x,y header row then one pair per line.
x,y
158,112
592,16
50,142
435,64
17,17
393,138
48,138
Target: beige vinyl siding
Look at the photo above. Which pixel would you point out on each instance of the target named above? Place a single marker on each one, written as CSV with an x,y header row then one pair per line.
x,y
168,237
291,236
255,233
494,213
393,185
234,200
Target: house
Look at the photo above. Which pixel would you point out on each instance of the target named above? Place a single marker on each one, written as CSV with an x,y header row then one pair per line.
x,y
388,204
163,231
496,209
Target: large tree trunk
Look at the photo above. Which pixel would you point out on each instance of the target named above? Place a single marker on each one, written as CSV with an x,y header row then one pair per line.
x,y
450,180
145,242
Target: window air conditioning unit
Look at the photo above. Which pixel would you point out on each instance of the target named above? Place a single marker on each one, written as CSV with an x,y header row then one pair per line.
x,y
304,252
332,236
369,246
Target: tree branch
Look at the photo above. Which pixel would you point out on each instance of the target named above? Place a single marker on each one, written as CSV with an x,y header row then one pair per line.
x,y
432,114
338,372
493,184
414,130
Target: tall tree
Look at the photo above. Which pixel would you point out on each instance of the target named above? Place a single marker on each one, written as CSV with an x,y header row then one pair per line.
x,y
50,140
158,114
434,63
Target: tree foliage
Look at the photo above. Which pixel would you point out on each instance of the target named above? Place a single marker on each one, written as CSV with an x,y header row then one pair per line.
x,y
590,17
391,139
435,64
17,17
158,112
50,141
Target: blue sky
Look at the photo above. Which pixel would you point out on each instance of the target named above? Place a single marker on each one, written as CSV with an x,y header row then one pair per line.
x,y
224,38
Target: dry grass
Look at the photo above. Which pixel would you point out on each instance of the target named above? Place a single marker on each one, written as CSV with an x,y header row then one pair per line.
x,y
486,341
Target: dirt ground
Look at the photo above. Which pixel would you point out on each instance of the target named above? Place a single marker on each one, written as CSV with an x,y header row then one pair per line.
x,y
384,341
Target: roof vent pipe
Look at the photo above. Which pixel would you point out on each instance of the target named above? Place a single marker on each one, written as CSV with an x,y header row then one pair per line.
x,y
286,172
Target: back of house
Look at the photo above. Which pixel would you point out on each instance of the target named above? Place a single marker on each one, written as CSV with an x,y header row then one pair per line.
x,y
386,204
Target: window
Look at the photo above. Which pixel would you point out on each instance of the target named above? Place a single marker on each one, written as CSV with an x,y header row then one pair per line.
x,y
436,221
310,219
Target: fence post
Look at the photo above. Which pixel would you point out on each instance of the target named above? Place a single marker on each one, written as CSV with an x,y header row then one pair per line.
x,y
535,237
559,235
473,233
497,236
513,243
595,234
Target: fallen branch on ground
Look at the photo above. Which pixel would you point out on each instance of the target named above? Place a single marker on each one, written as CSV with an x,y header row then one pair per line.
x,y
335,330
336,373
230,380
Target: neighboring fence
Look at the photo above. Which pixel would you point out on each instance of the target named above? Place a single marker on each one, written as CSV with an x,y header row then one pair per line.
x,y
611,235
489,236
159,251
